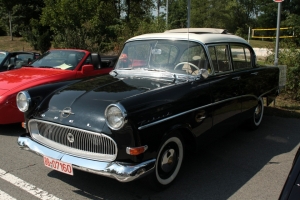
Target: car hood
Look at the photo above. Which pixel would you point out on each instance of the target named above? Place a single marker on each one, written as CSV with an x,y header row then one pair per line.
x,y
87,100
24,76
2,91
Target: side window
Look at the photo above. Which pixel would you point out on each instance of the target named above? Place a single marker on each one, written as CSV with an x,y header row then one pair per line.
x,y
197,56
6,62
88,60
220,58
241,57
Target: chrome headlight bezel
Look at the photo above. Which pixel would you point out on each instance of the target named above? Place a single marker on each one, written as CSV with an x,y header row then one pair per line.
x,y
23,97
115,113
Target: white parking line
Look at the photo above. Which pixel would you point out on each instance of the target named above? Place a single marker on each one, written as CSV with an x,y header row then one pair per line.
x,y
5,196
37,192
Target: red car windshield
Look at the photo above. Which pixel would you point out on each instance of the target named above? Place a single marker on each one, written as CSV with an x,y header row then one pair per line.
x,y
60,59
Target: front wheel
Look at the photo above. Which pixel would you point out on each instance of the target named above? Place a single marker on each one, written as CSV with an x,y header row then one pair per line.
x,y
168,162
257,116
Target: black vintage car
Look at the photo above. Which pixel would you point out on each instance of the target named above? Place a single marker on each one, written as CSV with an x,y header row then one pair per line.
x,y
291,189
168,93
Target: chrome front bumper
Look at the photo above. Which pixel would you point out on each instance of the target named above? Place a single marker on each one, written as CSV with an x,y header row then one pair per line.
x,y
123,172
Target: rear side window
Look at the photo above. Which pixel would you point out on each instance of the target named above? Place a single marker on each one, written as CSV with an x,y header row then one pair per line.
x,y
241,57
220,58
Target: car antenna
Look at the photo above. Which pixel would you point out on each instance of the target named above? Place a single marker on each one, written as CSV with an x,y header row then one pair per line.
x,y
188,27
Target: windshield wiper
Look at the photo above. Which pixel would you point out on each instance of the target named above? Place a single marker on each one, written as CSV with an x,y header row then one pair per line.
x,y
26,66
48,67
45,67
128,68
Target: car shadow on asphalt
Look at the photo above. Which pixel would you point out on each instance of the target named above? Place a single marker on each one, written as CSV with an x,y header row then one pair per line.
x,y
215,172
12,129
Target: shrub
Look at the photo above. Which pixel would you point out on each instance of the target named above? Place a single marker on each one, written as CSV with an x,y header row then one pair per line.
x,y
289,55
44,42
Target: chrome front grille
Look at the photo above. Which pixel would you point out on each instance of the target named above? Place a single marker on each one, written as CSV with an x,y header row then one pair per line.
x,y
73,141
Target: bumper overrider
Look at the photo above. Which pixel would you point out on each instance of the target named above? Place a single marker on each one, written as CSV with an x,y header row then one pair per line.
x,y
123,172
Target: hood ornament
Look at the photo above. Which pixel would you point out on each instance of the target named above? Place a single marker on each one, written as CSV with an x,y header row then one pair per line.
x,y
70,137
66,112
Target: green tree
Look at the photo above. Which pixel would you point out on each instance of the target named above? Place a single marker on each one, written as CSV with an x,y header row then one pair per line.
x,y
233,15
267,17
2,22
177,14
293,21
6,15
80,23
23,12
209,14
37,35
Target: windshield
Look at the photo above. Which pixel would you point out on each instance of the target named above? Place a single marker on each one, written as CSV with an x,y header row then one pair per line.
x,y
61,59
181,57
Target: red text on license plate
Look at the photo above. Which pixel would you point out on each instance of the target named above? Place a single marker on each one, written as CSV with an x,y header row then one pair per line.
x,y
58,165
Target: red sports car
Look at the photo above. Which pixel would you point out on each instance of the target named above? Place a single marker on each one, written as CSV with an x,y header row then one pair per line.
x,y
53,66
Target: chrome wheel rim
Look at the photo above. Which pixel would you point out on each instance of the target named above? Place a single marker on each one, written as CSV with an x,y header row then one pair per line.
x,y
258,113
169,160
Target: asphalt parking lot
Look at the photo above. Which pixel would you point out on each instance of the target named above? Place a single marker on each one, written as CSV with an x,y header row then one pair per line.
x,y
242,165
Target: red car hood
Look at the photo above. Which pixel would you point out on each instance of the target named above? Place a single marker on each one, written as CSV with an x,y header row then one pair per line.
x,y
2,92
29,77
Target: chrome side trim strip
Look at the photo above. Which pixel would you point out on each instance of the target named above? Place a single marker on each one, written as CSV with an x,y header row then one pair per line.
x,y
123,172
171,117
192,110
275,88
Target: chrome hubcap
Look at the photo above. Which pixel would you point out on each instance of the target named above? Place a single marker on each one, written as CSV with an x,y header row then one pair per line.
x,y
257,110
257,113
168,160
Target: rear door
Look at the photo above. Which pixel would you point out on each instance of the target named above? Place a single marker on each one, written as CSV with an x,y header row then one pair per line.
x,y
251,78
225,90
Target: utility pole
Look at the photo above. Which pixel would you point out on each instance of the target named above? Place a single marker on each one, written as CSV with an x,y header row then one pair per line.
x,y
189,13
277,31
158,7
167,12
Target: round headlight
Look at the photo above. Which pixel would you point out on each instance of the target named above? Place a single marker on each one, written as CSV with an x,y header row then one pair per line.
x,y
23,101
115,116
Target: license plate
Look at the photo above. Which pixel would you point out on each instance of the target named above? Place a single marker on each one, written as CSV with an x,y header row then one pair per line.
x,y
58,165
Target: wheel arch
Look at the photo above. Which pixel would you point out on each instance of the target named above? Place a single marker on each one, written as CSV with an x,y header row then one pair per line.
x,y
186,133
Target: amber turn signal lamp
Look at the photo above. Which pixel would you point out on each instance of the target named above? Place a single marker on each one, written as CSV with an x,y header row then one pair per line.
x,y
24,125
134,151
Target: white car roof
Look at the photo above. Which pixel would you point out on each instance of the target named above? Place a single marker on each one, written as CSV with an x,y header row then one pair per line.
x,y
197,30
203,38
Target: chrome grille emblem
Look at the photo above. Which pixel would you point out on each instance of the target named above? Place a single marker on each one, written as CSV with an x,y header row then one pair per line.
x,y
70,137
66,112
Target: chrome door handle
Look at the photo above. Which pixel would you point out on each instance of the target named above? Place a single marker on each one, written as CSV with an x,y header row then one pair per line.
x,y
236,78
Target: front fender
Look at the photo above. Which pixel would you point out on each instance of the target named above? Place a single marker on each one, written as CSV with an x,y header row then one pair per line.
x,y
41,93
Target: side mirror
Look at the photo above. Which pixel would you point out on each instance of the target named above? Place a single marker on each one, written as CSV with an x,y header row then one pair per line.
x,y
87,69
203,73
